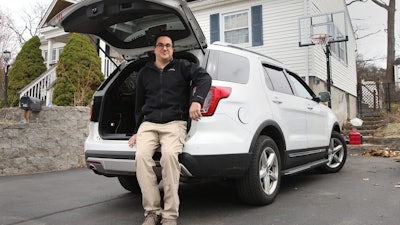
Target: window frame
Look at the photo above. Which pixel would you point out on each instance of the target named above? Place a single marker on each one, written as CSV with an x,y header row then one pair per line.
x,y
249,26
339,49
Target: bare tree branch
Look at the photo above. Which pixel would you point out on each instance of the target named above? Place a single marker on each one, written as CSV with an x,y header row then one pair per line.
x,y
31,19
367,35
381,4
7,36
353,1
17,32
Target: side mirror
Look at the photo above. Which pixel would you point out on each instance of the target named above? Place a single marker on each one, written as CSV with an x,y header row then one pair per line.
x,y
324,96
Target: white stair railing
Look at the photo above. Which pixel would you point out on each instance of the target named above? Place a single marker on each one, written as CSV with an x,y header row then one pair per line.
x,y
41,87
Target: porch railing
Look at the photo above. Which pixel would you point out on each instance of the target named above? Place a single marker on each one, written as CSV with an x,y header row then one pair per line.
x,y
42,87
377,96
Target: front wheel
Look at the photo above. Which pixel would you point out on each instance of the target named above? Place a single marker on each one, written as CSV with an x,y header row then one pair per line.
x,y
260,184
337,154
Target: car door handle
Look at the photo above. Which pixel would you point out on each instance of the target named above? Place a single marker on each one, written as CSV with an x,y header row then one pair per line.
x,y
310,107
277,101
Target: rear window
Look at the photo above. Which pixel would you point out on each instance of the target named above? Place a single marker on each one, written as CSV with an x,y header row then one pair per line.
x,y
228,67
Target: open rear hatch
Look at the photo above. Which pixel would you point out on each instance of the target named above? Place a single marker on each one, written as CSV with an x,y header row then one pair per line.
x,y
131,25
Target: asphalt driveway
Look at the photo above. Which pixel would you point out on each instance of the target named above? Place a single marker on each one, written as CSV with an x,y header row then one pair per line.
x,y
366,191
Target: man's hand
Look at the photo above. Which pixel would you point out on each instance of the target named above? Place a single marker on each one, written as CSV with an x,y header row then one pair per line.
x,y
194,111
132,141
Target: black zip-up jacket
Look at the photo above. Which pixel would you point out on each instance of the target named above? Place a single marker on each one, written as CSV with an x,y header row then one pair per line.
x,y
164,95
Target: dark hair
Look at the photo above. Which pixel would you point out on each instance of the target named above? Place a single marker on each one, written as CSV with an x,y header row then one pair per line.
x,y
163,34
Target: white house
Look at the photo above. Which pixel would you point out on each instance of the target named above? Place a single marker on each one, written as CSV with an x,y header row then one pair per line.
x,y
270,27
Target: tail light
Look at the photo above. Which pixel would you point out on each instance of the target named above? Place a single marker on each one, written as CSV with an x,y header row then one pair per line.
x,y
91,109
211,102
95,109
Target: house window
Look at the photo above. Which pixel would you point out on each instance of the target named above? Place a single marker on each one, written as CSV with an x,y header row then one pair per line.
x,y
54,56
45,56
343,51
236,28
59,53
339,49
241,27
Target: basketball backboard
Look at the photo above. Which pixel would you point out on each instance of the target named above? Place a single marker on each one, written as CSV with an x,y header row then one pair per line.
x,y
333,24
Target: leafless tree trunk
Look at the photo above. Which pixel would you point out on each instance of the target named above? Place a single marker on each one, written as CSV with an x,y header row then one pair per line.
x,y
391,9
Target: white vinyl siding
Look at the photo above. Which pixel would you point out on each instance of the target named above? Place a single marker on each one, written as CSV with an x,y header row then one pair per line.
x,y
281,34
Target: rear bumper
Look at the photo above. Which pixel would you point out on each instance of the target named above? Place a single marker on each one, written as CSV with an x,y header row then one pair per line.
x,y
116,163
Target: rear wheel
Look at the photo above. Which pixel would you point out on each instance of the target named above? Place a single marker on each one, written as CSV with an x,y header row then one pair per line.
x,y
337,154
130,183
260,184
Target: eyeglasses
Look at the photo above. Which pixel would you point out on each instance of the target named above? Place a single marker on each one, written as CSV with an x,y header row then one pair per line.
x,y
161,45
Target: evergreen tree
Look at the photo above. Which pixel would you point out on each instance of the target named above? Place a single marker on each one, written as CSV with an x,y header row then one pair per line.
x,y
27,67
78,73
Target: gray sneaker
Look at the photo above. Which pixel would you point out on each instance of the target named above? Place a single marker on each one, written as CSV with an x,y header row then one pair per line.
x,y
168,222
151,219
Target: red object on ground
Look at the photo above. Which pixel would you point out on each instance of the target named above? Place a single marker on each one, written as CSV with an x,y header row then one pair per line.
x,y
354,138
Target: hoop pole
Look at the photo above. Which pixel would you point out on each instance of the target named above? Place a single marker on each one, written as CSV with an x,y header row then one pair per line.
x,y
328,73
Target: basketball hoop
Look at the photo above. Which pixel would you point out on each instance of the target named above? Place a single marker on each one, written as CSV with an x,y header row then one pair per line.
x,y
319,39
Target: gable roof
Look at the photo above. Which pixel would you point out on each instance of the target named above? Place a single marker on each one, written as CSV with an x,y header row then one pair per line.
x,y
55,7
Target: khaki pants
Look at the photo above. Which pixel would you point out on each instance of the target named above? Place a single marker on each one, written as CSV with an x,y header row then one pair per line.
x,y
171,137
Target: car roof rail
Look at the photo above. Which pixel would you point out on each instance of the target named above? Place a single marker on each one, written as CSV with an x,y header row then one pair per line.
x,y
225,44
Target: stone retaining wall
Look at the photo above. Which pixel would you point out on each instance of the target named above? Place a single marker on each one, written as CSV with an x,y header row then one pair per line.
x,y
53,139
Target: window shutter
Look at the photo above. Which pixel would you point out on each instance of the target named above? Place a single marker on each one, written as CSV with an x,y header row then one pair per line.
x,y
214,27
256,27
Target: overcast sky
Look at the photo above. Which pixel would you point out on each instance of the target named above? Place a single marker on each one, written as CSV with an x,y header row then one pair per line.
x,y
368,17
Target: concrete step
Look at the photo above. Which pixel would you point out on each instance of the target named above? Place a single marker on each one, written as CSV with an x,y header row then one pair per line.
x,y
360,149
369,113
391,142
368,124
374,143
380,122
362,132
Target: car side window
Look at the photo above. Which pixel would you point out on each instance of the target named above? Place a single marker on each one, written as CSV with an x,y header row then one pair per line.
x,y
298,87
268,81
228,67
278,79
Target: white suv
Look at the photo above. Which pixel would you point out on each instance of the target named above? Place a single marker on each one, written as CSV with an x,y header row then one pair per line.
x,y
260,120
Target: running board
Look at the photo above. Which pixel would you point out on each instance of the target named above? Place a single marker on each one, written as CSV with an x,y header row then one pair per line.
x,y
305,167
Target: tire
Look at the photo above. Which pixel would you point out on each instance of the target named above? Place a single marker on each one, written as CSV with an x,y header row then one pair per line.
x,y
260,184
337,154
130,183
